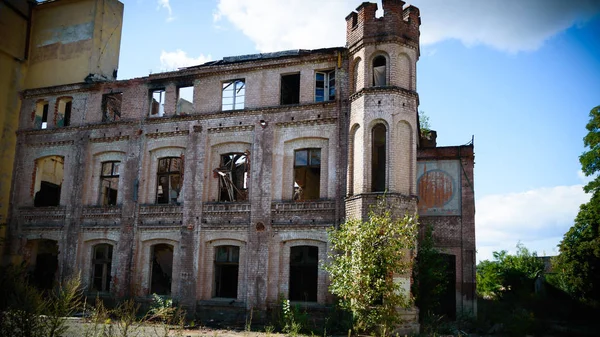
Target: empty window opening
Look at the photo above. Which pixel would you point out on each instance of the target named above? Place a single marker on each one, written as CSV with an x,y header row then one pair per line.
x,y
290,89
307,174
64,112
227,265
325,86
157,103
185,100
233,176
41,115
109,183
111,107
233,95
448,296
304,270
102,264
49,173
379,71
169,180
42,262
378,159
162,269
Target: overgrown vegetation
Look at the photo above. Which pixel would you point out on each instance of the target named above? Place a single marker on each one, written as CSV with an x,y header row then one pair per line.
x,y
577,267
368,257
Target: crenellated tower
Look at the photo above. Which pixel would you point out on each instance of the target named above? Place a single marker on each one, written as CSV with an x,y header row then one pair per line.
x,y
383,125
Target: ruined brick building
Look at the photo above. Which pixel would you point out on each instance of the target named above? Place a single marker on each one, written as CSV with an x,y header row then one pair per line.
x,y
215,184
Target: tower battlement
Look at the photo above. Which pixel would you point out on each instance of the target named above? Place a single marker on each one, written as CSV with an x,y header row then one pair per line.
x,y
398,24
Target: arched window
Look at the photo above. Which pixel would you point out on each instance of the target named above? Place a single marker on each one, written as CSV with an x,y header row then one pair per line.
x,y
304,270
307,174
162,269
227,266
102,264
379,71
169,180
109,183
378,158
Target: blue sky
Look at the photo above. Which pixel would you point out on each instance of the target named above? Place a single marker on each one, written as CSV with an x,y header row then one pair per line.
x,y
521,76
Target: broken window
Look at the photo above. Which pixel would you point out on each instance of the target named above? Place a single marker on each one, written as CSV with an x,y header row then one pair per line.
x,y
102,261
109,183
169,180
41,115
325,86
233,176
378,158
304,270
379,71
42,261
307,174
157,103
233,95
64,112
226,271
162,269
185,100
49,173
111,107
290,89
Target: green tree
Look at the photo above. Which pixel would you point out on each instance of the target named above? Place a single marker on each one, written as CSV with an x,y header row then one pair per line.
x,y
508,274
367,255
578,265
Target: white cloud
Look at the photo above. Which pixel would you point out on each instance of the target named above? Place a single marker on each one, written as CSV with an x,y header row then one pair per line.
x,y
179,58
165,4
508,25
538,218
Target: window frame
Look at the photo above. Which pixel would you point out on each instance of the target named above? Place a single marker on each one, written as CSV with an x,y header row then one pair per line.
x,y
235,96
328,78
168,174
161,103
116,113
103,196
294,97
243,190
106,278
386,70
297,193
217,271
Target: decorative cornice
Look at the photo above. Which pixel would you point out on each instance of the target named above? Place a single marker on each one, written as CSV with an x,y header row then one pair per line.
x,y
168,134
109,139
383,89
308,122
50,144
237,128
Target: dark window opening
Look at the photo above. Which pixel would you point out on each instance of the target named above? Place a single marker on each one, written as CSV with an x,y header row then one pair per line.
x,y
162,269
67,114
325,86
307,174
304,269
185,100
157,103
234,93
43,263
109,183
233,177
45,116
379,71
226,271
290,89
102,263
378,158
111,107
448,296
48,181
169,178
